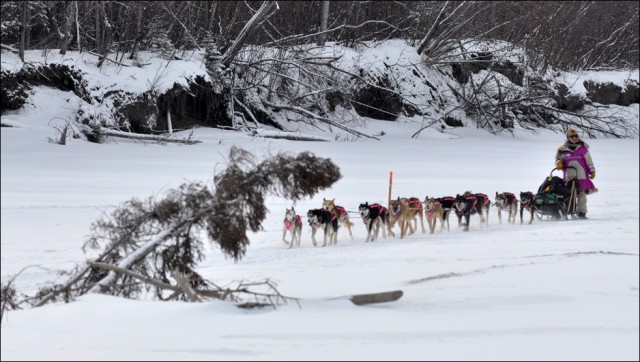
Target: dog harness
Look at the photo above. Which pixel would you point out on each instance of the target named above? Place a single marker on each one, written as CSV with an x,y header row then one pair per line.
x,y
380,212
430,210
510,198
317,225
531,199
414,203
486,199
474,198
395,215
464,206
341,212
447,200
289,223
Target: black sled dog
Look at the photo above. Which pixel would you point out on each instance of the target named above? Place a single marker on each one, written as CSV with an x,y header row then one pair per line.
x,y
374,217
323,219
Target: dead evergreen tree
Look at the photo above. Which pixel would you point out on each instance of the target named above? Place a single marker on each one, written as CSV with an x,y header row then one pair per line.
x,y
152,247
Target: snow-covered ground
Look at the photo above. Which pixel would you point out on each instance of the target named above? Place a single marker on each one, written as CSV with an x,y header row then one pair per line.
x,y
546,291
565,290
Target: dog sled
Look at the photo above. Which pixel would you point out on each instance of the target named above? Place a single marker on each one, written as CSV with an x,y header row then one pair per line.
x,y
557,199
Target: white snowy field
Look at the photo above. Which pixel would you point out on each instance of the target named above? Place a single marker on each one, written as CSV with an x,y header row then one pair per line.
x,y
552,290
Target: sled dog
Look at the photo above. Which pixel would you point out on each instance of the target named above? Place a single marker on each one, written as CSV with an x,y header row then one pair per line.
x,y
401,214
414,206
468,204
339,213
322,219
374,217
508,203
433,212
527,202
447,206
293,224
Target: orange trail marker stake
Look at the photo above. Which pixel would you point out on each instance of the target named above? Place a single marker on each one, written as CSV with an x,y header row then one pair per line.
x,y
390,183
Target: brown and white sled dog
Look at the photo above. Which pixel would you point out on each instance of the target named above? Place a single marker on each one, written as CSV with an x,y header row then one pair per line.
x,y
402,214
374,217
339,213
508,203
433,211
293,224
323,219
415,209
527,202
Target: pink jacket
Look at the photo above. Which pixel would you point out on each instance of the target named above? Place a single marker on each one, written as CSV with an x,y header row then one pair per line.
x,y
578,157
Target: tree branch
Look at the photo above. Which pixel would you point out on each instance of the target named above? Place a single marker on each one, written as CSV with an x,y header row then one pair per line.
x,y
317,117
145,137
237,44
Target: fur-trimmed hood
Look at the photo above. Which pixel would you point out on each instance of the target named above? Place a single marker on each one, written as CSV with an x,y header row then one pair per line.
x,y
568,146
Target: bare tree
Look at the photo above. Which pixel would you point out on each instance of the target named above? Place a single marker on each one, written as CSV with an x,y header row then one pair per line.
x,y
98,25
72,8
434,27
497,103
103,32
211,16
457,23
324,18
77,26
569,35
267,44
260,15
24,28
617,42
139,11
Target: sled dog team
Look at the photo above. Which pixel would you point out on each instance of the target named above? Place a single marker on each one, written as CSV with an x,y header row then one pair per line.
x,y
405,212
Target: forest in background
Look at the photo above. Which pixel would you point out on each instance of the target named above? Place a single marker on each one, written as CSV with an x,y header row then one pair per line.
x,y
489,64
576,35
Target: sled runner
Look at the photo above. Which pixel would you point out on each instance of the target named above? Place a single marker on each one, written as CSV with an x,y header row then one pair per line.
x,y
557,199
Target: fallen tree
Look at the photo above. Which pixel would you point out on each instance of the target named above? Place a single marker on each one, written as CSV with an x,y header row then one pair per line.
x,y
152,247
105,132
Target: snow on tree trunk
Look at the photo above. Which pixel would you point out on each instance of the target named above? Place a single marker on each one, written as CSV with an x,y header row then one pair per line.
x,y
249,27
135,256
324,18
